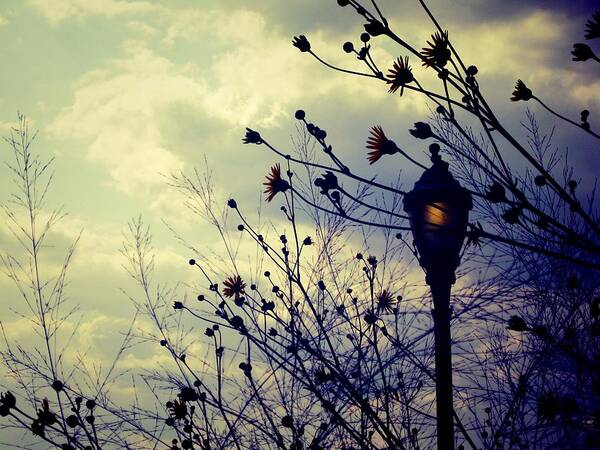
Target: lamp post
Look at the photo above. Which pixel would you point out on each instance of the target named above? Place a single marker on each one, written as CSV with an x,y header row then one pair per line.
x,y
438,208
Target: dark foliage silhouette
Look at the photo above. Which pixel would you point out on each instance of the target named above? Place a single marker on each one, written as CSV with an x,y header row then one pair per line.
x,y
325,339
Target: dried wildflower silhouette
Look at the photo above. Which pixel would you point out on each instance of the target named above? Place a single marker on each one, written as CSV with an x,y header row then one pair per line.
x,y
496,193
437,54
421,130
7,402
275,184
380,145
521,92
233,287
592,26
386,302
583,52
252,137
301,43
375,28
327,183
400,75
516,323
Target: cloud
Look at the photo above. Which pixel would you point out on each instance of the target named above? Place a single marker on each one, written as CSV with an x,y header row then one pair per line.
x,y
142,28
117,109
7,127
123,108
3,20
523,47
57,11
587,94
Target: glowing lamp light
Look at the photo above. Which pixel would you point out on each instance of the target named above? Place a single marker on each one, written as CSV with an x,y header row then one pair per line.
x,y
438,208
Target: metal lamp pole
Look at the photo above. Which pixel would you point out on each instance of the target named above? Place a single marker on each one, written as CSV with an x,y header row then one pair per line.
x,y
438,208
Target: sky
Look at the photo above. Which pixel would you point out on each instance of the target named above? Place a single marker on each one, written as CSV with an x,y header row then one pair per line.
x,y
124,93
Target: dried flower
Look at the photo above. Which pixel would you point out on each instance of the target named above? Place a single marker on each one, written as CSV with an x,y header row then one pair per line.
x,y
177,409
582,52
72,421
177,305
474,235
322,376
375,28
233,286
516,323
592,26
385,302
327,182
267,306
7,402
380,145
540,180
287,422
495,193
301,43
237,322
252,137
437,54
370,317
275,184
521,92
422,130
246,368
512,215
472,71
37,428
44,415
400,75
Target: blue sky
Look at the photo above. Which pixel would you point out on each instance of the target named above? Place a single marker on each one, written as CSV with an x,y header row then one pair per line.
x,y
125,92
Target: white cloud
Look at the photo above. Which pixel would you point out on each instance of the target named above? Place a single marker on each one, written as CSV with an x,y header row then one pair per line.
x,y
587,93
58,10
143,28
7,127
3,20
117,110
120,109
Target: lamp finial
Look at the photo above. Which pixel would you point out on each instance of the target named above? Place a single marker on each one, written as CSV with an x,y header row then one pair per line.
x,y
434,149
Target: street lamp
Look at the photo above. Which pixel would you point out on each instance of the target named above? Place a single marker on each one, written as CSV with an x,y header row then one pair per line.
x,y
438,208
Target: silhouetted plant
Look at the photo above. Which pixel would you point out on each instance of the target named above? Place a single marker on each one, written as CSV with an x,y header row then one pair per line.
x,y
333,349
60,402
315,346
544,238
